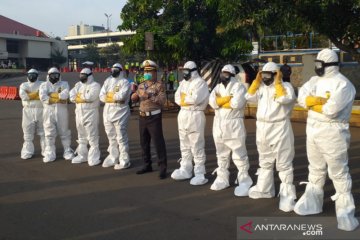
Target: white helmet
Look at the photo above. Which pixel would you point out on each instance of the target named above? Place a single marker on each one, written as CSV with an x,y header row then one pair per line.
x,y
117,65
86,71
190,65
229,68
327,55
53,70
270,67
33,70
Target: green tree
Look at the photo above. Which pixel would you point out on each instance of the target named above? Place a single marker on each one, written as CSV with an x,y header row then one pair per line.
x,y
337,20
58,57
200,29
183,29
92,53
109,54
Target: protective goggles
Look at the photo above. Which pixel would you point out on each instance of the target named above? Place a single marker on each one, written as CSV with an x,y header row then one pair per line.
x,y
54,75
116,69
267,74
188,71
226,75
321,64
32,75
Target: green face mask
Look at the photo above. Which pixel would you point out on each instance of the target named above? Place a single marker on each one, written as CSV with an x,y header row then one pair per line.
x,y
147,76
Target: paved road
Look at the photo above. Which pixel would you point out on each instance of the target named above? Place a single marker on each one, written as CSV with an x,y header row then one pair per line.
x,y
64,201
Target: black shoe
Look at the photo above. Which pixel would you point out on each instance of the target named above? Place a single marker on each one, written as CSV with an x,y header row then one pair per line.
x,y
144,170
163,174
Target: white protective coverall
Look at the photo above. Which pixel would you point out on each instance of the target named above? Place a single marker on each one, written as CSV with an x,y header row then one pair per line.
x,y
56,117
229,133
86,96
328,138
115,93
32,116
193,96
274,138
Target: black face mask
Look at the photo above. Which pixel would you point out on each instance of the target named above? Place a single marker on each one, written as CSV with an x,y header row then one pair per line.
x,y
268,78
268,82
84,77
187,73
225,78
115,72
321,65
32,77
54,77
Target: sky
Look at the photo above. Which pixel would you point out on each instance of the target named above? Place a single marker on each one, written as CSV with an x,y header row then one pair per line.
x,y
53,17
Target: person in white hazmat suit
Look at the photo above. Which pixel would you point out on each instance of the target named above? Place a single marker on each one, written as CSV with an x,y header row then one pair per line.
x,y
329,97
193,96
54,94
32,115
115,93
274,135
85,95
228,100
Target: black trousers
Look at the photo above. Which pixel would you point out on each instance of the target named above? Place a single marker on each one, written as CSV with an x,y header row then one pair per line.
x,y
151,129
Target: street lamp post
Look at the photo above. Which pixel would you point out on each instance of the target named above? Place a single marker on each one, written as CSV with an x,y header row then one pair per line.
x,y
107,21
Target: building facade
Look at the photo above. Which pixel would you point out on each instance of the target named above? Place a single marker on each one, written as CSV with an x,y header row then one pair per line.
x,y
26,47
77,43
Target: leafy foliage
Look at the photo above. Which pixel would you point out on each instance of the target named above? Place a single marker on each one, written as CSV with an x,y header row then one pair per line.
x,y
183,29
57,57
109,54
200,29
92,53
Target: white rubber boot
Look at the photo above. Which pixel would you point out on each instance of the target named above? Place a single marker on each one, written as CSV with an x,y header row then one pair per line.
x,y
245,182
185,170
222,179
264,187
287,191
311,202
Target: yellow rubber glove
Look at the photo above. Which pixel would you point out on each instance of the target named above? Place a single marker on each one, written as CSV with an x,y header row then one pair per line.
x,y
54,95
110,95
34,95
227,105
220,101
314,100
109,100
255,84
78,99
182,102
279,88
53,100
317,108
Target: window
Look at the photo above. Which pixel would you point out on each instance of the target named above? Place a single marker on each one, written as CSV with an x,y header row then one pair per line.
x,y
12,46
